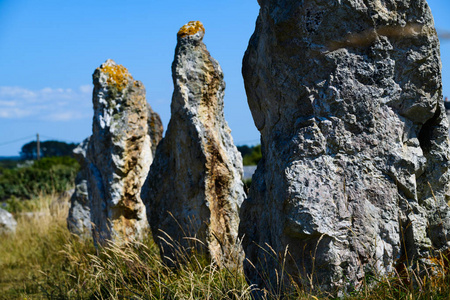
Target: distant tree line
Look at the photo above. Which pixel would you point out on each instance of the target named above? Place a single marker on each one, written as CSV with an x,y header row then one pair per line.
x,y
251,155
54,173
47,149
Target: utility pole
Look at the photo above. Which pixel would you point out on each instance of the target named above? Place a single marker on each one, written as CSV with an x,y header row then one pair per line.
x,y
38,146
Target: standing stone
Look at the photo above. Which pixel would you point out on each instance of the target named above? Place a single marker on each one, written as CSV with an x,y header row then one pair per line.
x,y
155,128
194,188
119,155
7,222
79,218
355,169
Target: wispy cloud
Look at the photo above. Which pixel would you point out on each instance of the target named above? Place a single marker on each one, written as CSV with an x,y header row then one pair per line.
x,y
45,104
86,89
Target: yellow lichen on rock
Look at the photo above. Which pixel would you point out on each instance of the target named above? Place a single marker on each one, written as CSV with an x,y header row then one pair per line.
x,y
191,28
118,75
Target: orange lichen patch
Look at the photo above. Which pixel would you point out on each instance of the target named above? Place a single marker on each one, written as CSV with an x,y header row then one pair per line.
x,y
191,28
118,75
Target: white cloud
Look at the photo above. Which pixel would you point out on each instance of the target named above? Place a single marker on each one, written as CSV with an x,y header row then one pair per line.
x,y
13,91
86,89
67,116
12,113
8,103
45,104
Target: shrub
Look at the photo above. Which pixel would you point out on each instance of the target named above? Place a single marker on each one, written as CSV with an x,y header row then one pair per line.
x,y
252,158
8,164
46,176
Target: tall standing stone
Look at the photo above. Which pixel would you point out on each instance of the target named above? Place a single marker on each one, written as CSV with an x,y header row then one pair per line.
x,y
79,218
155,128
194,188
119,155
355,170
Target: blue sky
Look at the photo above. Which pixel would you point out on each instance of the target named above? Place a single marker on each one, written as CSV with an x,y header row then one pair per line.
x,y
49,50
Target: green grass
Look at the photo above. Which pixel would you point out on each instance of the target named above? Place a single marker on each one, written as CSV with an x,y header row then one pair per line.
x,y
44,261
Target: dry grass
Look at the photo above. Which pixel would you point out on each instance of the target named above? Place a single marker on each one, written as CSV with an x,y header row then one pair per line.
x,y
44,261
40,234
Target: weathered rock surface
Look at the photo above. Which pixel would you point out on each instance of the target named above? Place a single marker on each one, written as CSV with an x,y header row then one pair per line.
x,y
119,155
7,222
79,218
155,128
194,187
355,169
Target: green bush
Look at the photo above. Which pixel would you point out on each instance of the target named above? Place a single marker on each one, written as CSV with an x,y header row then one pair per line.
x,y
48,175
48,163
8,164
253,157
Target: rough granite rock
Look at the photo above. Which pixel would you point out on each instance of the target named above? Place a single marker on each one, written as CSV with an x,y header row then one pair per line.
x,y
79,218
355,168
7,222
119,155
194,188
155,128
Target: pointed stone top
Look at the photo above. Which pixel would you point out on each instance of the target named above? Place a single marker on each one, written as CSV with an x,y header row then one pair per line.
x,y
193,30
116,75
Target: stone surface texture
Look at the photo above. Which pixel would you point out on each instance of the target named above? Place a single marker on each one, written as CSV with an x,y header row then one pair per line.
x,y
194,188
119,155
355,168
7,222
79,218
155,128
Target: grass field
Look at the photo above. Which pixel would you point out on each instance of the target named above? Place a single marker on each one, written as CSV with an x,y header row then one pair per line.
x,y
44,261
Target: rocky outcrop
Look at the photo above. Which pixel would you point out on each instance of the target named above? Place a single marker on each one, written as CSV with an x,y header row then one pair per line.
x,y
119,155
79,218
155,128
194,187
7,222
355,170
